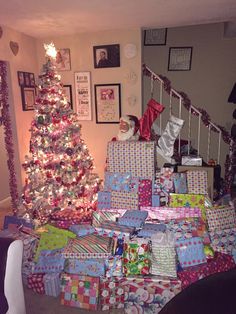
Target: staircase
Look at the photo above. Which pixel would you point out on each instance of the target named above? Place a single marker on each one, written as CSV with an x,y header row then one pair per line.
x,y
206,135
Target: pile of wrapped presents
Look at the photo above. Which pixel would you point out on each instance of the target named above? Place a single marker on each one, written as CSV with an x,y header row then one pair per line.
x,y
155,232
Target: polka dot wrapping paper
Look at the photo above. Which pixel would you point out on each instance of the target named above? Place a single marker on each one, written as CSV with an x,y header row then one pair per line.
x,y
135,157
190,252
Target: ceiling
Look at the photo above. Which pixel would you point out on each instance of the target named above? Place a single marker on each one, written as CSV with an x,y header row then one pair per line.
x,y
66,17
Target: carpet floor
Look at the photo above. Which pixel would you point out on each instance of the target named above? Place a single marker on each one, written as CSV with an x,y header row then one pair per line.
x,y
42,304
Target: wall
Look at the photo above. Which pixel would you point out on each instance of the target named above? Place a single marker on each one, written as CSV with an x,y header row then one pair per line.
x,y
25,60
211,78
95,135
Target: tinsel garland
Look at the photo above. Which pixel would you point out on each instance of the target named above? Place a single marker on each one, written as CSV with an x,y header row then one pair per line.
x,y
205,119
8,136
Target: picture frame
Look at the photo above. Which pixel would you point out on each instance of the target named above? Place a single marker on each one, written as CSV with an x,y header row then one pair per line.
x,y
83,95
26,79
63,61
107,103
155,37
67,90
180,58
28,95
21,78
106,56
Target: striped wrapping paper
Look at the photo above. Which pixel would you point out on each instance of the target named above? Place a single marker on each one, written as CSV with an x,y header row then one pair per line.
x,y
91,246
52,284
99,216
113,229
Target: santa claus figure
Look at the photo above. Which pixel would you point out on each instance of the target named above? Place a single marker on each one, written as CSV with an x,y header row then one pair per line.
x,y
131,128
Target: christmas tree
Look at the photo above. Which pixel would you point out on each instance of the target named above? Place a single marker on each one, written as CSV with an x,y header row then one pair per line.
x,y
59,168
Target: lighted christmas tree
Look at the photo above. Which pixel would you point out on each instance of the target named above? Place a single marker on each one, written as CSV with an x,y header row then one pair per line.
x,y
59,168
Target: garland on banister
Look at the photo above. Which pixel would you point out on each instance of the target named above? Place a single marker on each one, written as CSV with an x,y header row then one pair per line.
x,y
187,103
206,121
8,136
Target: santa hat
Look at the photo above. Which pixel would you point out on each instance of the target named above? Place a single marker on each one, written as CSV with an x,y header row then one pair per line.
x,y
133,121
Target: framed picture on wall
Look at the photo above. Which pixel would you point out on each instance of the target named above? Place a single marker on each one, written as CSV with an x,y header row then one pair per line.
x,y
107,103
180,58
67,90
83,95
63,62
28,98
106,56
155,37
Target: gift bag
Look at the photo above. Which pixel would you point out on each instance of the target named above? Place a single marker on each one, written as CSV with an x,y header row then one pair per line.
x,y
136,257
163,255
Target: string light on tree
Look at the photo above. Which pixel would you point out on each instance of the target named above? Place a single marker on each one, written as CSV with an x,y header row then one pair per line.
x,y
59,167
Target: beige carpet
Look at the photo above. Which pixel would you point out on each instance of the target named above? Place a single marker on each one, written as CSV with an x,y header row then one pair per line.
x,y
42,304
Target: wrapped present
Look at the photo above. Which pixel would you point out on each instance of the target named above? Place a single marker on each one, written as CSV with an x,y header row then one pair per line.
x,y
180,183
155,200
52,284
88,267
112,294
182,229
91,246
100,216
191,160
221,218
168,213
163,181
36,283
113,229
145,192
69,216
134,185
123,200
54,238
223,240
114,266
148,294
136,257
82,230
190,252
163,255
133,218
150,228
135,157
197,182
187,200
104,200
14,222
49,261
220,263
80,291
117,181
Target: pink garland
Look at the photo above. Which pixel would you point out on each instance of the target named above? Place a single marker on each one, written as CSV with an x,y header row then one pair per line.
x,y
205,119
6,121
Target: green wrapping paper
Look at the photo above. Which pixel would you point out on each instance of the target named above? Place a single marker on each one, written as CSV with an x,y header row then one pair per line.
x,y
136,257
